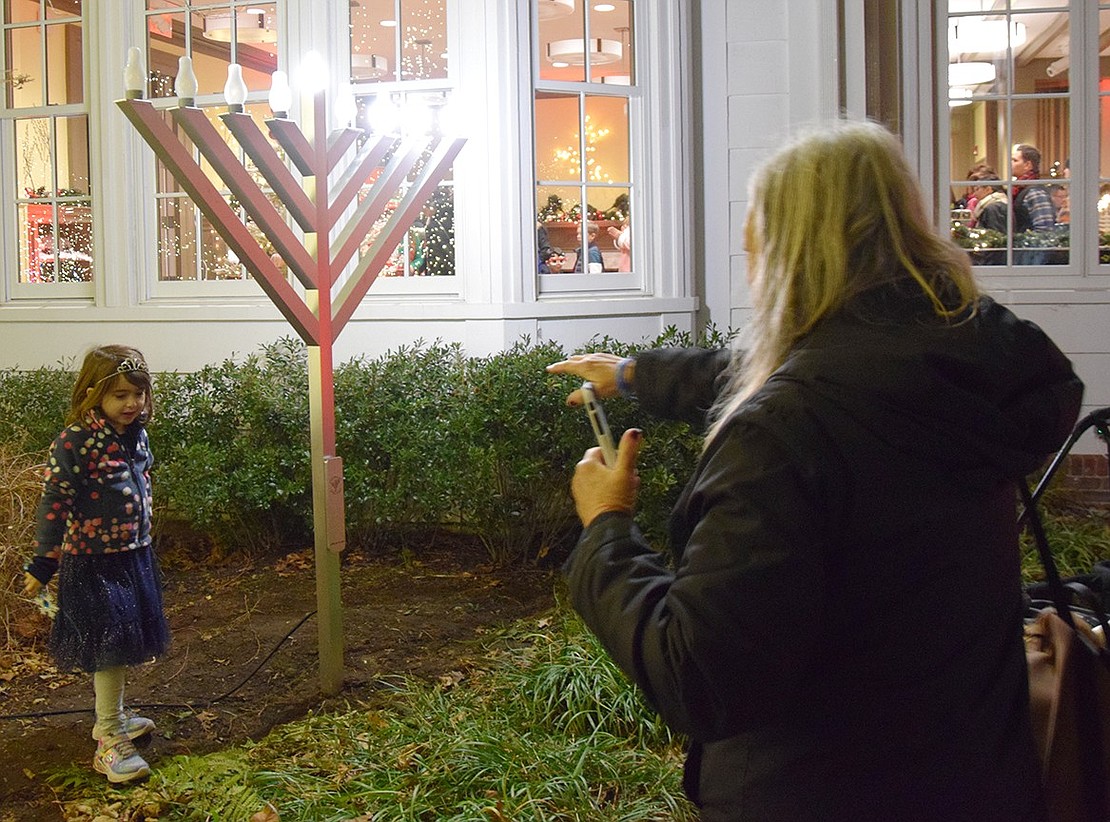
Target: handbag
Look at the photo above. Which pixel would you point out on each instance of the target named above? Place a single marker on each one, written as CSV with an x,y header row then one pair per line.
x,y
1069,695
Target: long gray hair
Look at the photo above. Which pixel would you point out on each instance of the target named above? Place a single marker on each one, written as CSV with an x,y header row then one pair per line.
x,y
834,213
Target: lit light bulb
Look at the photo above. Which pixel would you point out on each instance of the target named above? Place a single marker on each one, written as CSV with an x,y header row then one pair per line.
x,y
383,116
185,86
314,73
134,78
346,109
235,89
281,96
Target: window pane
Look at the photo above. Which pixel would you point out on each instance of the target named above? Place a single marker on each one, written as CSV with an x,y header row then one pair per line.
x,y
432,237
1104,102
22,11
55,242
610,31
73,156
562,33
558,144
423,39
1038,4
63,57
607,139
25,64
58,9
165,43
609,210
558,209
1102,204
373,45
34,161
217,261
177,257
165,4
211,53
421,29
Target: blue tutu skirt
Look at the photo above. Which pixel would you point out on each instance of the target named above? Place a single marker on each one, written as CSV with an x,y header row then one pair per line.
x,y
109,611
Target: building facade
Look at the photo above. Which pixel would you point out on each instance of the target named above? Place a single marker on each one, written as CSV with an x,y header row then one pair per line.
x,y
642,118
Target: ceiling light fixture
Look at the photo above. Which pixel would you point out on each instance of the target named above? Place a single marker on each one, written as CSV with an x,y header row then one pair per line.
x,y
959,96
976,35
555,8
971,74
250,27
370,66
603,7
572,52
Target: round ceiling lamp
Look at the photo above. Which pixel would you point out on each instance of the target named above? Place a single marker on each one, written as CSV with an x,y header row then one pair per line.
x,y
976,35
959,96
971,74
555,8
250,27
572,52
371,66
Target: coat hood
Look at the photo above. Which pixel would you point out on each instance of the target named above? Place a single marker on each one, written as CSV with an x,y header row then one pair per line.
x,y
988,390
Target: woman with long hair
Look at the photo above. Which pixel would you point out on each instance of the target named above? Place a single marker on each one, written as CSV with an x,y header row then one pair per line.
x,y
837,629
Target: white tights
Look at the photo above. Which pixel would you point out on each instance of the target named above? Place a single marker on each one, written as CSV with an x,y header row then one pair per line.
x,y
108,687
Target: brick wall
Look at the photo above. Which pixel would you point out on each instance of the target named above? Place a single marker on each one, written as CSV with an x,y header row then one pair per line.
x,y
1089,475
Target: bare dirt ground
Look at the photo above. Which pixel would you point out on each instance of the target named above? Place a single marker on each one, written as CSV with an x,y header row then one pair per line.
x,y
422,616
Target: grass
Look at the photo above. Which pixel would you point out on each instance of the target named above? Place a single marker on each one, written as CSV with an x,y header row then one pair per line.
x,y
546,728
1078,535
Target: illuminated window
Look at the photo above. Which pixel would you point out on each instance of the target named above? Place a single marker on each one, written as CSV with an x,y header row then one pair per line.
x,y
46,124
400,74
585,92
1020,123
212,35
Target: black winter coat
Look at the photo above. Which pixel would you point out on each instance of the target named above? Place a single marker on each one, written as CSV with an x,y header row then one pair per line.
x,y
839,630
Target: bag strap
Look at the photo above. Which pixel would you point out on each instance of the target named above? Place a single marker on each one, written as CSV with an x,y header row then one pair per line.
x,y
1055,585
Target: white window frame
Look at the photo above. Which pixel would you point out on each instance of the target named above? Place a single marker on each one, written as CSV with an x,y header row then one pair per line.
x,y
1081,279
11,289
659,164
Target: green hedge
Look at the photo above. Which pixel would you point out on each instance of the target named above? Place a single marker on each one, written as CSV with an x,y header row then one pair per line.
x,y
432,441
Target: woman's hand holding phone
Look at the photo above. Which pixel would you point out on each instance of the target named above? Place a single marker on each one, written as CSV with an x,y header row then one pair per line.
x,y
598,488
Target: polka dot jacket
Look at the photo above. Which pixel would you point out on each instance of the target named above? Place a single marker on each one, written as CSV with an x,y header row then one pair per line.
x,y
96,497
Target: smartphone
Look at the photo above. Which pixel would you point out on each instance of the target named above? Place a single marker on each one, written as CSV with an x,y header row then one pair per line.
x,y
600,425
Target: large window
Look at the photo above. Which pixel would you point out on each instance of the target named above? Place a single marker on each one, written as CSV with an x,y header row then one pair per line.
x,y
585,91
212,36
45,121
1028,155
400,75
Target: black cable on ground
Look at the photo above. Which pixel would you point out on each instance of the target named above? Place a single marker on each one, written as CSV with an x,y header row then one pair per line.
x,y
178,705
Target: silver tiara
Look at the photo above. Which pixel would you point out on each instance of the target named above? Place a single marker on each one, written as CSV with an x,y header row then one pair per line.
x,y
126,366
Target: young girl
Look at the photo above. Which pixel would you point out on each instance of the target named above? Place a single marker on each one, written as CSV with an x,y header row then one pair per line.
x,y
94,519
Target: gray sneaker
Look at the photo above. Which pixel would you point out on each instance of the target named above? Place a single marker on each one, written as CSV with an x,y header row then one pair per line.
x,y
133,725
118,760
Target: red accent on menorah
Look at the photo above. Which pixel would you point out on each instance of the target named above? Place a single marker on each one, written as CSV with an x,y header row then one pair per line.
x,y
317,262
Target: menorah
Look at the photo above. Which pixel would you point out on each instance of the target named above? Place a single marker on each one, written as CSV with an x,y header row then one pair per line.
x,y
333,223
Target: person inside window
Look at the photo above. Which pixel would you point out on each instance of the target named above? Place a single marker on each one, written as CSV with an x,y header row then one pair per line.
x,y
594,252
1033,209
